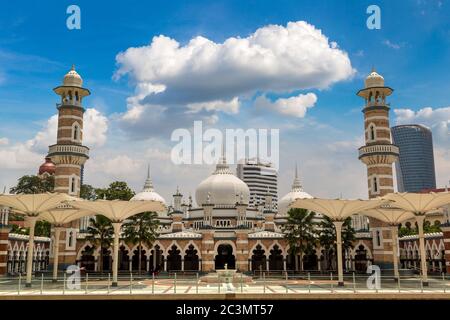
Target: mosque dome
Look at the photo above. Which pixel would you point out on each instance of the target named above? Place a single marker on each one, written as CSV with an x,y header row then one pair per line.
x,y
374,80
222,187
296,192
72,79
148,192
48,167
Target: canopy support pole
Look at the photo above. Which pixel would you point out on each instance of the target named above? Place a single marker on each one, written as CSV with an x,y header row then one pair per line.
x,y
116,226
32,223
338,226
423,258
394,232
56,253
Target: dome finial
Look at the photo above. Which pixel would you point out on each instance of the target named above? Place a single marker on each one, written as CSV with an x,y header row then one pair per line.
x,y
73,67
297,185
373,69
148,170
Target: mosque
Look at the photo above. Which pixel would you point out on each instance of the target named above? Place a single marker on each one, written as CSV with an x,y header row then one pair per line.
x,y
222,229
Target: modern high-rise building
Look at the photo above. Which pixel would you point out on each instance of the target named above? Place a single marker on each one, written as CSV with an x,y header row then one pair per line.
x,y
262,180
415,168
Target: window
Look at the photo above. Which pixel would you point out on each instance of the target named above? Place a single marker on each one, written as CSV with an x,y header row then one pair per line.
x,y
372,132
76,96
378,238
72,184
75,132
375,184
70,238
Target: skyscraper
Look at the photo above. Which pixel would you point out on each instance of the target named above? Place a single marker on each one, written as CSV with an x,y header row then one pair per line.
x,y
415,168
261,178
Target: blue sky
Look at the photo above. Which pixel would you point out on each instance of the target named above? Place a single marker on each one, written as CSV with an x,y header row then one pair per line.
x,y
411,50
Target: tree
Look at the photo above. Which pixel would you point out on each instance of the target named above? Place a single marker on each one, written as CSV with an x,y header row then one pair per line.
x,y
141,229
100,234
327,237
300,232
117,190
87,192
33,184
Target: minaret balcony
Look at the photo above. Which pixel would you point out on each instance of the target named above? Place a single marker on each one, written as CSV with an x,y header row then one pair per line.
x,y
378,149
68,149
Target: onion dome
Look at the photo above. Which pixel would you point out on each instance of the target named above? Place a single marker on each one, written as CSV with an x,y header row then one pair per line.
x,y
374,80
222,187
72,79
148,192
296,192
48,167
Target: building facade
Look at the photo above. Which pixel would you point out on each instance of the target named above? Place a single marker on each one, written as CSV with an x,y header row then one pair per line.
x,y
415,168
261,179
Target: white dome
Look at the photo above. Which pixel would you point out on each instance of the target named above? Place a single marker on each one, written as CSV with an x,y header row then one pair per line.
x,y
374,80
72,79
222,188
148,192
295,193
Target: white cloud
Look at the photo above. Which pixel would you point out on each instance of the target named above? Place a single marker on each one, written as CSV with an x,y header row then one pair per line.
x,y
95,128
273,58
437,119
393,45
231,107
293,106
4,141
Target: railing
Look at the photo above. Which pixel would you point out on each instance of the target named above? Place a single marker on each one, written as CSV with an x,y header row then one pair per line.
x,y
267,283
68,148
379,148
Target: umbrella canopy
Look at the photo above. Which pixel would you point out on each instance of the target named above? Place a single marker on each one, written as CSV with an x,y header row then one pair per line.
x,y
118,210
419,203
33,204
389,214
63,214
337,209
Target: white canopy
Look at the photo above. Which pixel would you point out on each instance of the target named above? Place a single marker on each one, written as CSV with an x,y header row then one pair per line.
x,y
419,203
337,209
118,210
33,204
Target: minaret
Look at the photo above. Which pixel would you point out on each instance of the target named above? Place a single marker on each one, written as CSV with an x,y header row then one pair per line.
x,y
68,154
378,154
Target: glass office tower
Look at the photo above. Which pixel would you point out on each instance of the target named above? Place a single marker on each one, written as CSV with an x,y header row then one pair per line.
x,y
415,167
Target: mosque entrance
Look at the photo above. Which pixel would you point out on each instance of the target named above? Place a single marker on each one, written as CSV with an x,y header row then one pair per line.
x,y
225,255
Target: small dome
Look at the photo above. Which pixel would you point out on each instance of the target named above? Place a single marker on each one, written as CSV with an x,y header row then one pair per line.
x,y
72,79
295,193
47,167
148,192
222,188
374,80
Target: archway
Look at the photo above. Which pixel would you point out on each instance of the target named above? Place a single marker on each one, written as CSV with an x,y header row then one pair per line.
x,y
87,259
106,259
259,259
361,259
225,256
275,258
156,258
310,261
124,259
191,260
174,259
135,260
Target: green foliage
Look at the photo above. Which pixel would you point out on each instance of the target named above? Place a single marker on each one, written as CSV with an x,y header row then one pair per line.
x,y
141,229
327,237
117,190
427,228
100,234
33,184
300,232
87,192
42,229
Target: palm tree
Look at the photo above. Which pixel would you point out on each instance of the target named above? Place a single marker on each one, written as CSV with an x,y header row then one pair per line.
x,y
327,237
141,229
100,233
300,232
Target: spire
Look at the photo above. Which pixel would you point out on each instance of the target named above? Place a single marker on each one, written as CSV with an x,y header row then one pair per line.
x,y
148,185
73,67
222,166
296,185
373,69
